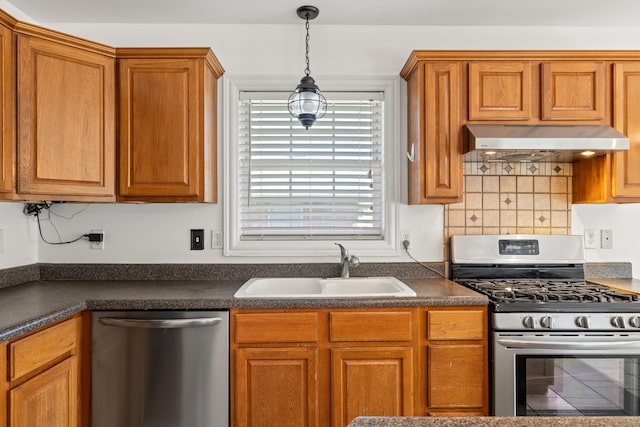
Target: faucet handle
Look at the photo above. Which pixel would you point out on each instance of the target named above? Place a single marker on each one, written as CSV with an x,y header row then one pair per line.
x,y
354,260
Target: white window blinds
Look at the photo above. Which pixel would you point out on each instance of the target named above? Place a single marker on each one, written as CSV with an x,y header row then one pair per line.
x,y
322,183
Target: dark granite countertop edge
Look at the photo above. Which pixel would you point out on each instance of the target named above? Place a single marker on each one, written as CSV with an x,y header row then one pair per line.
x,y
74,296
600,421
31,324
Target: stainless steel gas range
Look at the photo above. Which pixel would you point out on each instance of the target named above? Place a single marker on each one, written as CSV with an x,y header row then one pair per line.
x,y
560,345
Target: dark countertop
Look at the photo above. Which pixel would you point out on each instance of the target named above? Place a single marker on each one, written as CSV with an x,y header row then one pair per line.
x,y
29,306
494,421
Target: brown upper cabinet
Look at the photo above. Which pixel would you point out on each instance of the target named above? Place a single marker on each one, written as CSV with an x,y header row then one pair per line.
x,y
65,117
168,124
520,87
7,102
573,90
500,90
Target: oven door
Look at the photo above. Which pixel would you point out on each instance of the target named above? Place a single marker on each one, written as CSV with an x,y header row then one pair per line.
x,y
566,374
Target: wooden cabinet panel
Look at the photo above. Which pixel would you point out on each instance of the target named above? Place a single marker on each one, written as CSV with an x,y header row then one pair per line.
x,y
4,385
435,174
457,376
500,91
276,387
573,90
626,95
35,351
66,121
47,400
371,382
168,100
456,325
7,102
282,327
370,326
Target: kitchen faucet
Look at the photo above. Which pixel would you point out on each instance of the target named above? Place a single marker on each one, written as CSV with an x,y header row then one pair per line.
x,y
345,261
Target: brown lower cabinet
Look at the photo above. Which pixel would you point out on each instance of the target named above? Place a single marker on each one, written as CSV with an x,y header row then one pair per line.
x,y
42,385
324,367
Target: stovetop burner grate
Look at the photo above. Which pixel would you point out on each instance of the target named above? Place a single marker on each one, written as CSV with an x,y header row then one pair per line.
x,y
548,291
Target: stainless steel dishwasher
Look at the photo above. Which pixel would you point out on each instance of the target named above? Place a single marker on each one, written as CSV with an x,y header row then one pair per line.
x,y
160,369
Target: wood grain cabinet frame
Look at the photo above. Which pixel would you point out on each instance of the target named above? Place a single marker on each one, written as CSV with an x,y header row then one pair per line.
x,y
65,116
168,124
500,90
7,108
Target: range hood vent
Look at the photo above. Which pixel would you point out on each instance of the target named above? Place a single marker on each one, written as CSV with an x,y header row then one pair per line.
x,y
540,143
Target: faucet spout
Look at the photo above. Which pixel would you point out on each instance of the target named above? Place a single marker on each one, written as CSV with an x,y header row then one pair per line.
x,y
345,261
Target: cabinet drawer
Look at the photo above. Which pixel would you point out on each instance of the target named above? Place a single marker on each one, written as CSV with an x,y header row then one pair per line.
x,y
276,327
456,325
370,326
40,349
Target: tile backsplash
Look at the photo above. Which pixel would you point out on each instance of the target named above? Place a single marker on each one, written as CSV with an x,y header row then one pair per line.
x,y
511,198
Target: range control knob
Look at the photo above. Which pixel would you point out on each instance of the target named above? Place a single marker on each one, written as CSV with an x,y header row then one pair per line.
x,y
617,322
546,322
634,321
582,322
529,322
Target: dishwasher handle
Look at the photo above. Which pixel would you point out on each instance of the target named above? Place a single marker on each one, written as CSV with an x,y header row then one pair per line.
x,y
126,322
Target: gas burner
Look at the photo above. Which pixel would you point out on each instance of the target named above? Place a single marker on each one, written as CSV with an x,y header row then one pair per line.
x,y
548,291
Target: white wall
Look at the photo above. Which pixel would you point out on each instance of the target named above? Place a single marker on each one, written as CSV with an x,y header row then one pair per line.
x,y
159,233
623,220
18,240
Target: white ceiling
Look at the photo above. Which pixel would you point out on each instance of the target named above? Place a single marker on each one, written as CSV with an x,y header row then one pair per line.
x,y
340,12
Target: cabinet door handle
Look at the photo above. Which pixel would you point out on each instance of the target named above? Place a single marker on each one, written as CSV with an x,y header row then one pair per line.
x,y
411,155
160,323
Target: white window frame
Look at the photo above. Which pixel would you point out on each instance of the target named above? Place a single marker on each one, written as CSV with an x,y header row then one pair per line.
x,y
233,246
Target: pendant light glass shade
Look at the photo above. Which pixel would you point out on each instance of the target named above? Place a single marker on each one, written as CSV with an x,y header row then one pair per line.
x,y
307,104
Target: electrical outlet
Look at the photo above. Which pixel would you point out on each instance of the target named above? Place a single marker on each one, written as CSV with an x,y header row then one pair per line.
x,y
590,238
1,241
197,239
97,245
405,235
216,239
606,239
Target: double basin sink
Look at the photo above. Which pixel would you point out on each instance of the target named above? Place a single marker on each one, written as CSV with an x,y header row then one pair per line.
x,y
315,287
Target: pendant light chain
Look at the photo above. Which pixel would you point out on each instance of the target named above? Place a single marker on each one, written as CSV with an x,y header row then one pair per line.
x,y
307,71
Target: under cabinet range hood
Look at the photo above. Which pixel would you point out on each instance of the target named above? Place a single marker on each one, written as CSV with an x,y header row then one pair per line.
x,y
540,143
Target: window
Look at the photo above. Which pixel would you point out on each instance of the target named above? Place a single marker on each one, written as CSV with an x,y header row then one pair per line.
x,y
295,191
324,183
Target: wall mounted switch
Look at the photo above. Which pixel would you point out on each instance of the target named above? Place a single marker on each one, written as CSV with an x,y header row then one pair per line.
x,y
606,239
197,239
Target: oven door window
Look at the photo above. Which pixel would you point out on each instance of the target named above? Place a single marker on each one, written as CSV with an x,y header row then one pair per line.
x,y
577,385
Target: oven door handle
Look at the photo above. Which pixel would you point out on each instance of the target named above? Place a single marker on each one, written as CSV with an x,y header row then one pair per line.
x,y
567,345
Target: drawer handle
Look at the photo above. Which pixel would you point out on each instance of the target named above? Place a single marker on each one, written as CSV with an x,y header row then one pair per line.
x,y
160,323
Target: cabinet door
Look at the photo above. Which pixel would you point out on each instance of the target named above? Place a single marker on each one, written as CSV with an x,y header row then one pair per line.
x,y
457,376
4,385
573,90
626,173
7,144
500,91
435,174
161,128
49,399
66,123
371,382
276,387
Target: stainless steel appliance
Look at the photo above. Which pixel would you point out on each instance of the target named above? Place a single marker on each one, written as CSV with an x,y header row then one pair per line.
x,y
160,369
533,143
559,345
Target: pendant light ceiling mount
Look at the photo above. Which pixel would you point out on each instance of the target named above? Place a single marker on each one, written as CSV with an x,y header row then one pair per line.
x,y
307,104
308,12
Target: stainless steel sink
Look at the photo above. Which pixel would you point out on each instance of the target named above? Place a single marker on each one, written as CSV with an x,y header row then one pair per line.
x,y
315,287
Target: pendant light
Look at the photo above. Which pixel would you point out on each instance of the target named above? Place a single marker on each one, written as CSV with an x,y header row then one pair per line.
x,y
307,103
